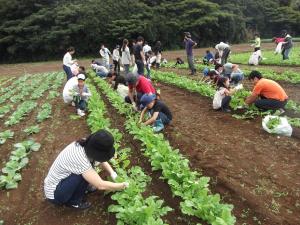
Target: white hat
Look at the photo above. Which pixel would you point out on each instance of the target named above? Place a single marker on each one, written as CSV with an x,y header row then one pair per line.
x,y
81,76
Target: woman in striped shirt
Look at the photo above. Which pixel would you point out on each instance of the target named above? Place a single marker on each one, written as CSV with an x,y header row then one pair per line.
x,y
73,171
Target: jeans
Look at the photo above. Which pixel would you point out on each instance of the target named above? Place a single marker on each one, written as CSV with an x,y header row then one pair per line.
x,y
140,67
126,69
270,104
80,103
225,102
68,72
190,60
285,53
225,55
70,190
101,74
237,77
116,66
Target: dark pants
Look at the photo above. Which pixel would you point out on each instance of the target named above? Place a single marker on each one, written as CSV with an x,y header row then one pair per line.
x,y
68,72
70,191
116,66
140,67
137,98
285,53
270,104
225,102
225,55
80,103
126,69
190,60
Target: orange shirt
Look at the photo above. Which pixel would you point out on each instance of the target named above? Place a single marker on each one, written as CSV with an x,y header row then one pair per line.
x,y
269,89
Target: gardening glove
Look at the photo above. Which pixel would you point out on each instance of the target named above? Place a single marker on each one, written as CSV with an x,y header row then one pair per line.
x,y
86,94
114,175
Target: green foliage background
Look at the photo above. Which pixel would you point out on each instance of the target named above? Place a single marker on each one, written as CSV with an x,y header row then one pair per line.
x,y
43,29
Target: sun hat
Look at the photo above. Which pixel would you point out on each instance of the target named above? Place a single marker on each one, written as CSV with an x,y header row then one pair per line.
x,y
146,99
81,76
131,78
100,146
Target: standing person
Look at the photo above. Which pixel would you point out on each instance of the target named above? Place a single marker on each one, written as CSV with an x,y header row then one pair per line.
x,y
160,114
116,59
267,94
223,94
132,51
139,55
68,62
138,86
224,51
126,58
157,52
148,64
278,41
73,171
257,42
287,45
105,53
189,45
81,93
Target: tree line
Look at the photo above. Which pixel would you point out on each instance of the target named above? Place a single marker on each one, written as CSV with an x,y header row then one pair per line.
x,y
35,30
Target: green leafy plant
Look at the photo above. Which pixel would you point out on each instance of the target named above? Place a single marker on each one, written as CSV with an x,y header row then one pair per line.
x,y
5,109
20,113
5,135
273,123
44,113
32,130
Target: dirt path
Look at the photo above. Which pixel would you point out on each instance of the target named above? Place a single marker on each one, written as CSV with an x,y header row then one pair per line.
x,y
26,205
255,171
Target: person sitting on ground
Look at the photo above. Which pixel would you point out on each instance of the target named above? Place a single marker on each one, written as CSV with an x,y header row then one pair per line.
x,y
223,94
101,71
224,51
81,94
231,71
267,94
67,91
179,61
208,58
159,113
138,86
72,175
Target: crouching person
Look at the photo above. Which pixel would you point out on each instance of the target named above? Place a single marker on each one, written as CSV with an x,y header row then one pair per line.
x,y
81,93
159,113
72,174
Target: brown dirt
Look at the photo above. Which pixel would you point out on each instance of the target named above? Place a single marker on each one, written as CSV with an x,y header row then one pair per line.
x,y
157,186
255,171
26,205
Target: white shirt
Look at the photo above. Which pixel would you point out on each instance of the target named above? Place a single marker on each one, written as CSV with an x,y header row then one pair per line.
x,y
116,55
67,61
68,88
146,48
105,54
126,59
71,160
219,95
221,46
99,68
122,90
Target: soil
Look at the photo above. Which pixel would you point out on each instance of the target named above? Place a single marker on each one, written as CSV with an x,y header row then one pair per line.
x,y
257,172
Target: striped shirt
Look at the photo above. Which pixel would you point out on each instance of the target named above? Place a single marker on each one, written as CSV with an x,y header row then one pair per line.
x,y
72,160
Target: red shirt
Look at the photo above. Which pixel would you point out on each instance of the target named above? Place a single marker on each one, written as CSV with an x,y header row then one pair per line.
x,y
278,40
143,86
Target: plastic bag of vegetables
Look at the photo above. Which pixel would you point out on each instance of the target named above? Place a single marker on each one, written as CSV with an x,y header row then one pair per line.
x,y
277,125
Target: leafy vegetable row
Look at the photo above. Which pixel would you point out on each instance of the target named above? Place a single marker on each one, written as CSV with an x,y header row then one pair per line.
x,y
189,185
17,160
132,208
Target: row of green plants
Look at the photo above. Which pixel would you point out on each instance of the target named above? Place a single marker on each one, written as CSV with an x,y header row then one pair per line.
x,y
132,208
18,159
8,134
44,113
269,58
4,81
288,75
204,89
197,200
22,110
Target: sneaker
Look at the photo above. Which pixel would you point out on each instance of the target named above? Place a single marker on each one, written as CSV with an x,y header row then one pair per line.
x,y
81,205
80,112
281,111
226,110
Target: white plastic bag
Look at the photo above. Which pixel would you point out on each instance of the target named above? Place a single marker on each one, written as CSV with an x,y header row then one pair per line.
x,y
284,128
135,69
254,58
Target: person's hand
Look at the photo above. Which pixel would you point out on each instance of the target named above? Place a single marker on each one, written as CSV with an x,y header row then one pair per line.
x,y
239,87
125,185
114,176
140,121
145,63
134,107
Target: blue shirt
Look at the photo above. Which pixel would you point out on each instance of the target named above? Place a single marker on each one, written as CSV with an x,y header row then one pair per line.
x,y
209,56
189,46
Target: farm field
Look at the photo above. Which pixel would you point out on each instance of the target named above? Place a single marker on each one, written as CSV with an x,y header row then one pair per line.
x,y
206,168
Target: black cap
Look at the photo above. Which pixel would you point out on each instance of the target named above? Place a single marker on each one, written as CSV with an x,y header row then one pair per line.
x,y
100,146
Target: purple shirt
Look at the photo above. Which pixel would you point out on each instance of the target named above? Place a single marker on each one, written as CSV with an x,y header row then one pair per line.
x,y
189,46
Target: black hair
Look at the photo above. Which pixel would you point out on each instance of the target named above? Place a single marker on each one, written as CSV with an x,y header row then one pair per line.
x,y
82,68
255,74
140,38
111,73
125,42
221,82
71,49
207,51
256,34
218,65
93,61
